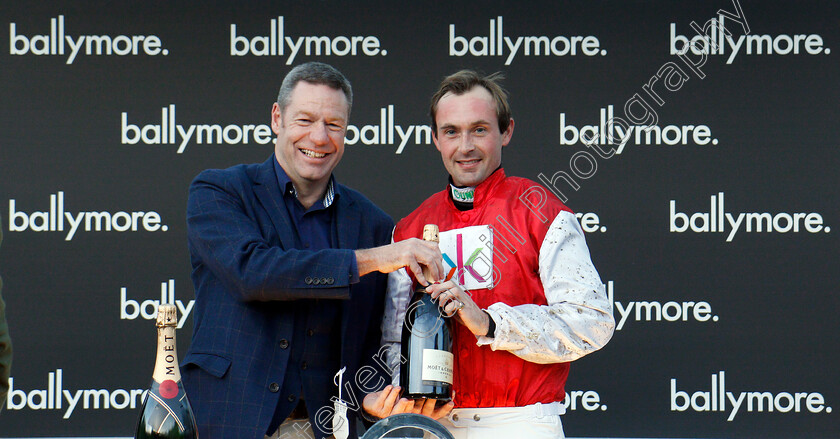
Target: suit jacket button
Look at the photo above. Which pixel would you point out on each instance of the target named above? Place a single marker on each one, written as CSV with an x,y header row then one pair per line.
x,y
273,387
476,418
316,281
330,281
284,343
308,281
324,281
455,417
291,398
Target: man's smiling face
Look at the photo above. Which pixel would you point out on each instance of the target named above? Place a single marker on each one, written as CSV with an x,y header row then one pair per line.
x,y
310,133
468,136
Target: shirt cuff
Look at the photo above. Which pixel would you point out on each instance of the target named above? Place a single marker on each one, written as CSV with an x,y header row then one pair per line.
x,y
483,340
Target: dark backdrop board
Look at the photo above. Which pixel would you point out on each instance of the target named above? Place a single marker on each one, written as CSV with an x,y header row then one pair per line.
x,y
714,229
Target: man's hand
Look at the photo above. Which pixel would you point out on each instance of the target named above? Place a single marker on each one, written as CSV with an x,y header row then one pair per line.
x,y
455,301
413,253
387,402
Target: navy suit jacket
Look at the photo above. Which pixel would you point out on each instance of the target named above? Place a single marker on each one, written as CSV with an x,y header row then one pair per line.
x,y
245,272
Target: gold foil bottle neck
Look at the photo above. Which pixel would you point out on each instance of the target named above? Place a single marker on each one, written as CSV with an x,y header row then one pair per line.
x,y
167,315
430,233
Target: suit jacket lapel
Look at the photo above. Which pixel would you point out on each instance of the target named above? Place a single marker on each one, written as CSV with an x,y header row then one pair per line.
x,y
268,192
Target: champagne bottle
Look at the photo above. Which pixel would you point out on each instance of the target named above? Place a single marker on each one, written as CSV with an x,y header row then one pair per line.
x,y
426,344
166,412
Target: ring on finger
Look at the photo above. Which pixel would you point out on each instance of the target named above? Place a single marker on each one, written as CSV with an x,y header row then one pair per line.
x,y
460,305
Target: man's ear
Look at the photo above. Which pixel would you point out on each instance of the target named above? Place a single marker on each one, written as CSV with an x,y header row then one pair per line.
x,y
276,118
508,133
435,139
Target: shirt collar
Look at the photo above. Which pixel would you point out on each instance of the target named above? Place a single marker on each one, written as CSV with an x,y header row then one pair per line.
x,y
479,192
288,188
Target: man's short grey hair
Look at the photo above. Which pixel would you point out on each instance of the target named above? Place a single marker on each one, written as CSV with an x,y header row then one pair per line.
x,y
314,73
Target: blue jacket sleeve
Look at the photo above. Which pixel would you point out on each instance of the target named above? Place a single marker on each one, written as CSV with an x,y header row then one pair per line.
x,y
232,235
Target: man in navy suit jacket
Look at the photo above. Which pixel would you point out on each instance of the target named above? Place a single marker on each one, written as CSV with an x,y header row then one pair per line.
x,y
288,267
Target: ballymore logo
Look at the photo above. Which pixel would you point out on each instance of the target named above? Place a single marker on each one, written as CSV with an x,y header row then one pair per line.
x,y
58,43
277,42
388,132
587,400
131,309
496,43
715,39
716,398
718,220
57,219
170,132
656,311
617,137
56,397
